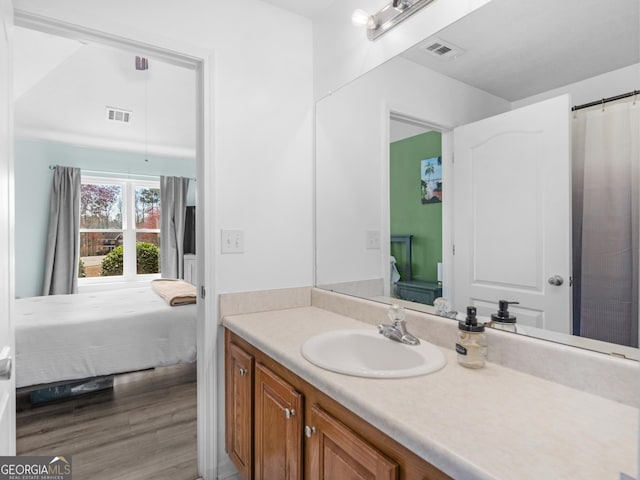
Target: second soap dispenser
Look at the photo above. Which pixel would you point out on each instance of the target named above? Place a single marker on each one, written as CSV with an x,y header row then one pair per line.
x,y
503,320
472,341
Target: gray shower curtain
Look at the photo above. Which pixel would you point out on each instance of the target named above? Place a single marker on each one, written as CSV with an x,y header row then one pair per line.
x,y
606,152
173,202
62,251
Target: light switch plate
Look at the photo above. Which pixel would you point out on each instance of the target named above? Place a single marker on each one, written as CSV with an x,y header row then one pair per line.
x,y
232,241
373,239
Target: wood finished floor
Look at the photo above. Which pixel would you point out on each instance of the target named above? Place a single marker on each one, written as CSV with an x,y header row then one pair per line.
x,y
143,428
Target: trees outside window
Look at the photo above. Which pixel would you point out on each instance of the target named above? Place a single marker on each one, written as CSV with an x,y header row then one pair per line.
x,y
119,228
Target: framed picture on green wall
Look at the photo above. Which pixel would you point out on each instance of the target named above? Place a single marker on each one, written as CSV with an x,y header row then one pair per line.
x,y
431,180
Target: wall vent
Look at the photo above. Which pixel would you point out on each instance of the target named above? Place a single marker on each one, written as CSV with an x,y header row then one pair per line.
x,y
441,49
118,115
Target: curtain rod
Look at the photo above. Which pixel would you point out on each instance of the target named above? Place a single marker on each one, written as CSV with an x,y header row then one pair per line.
x,y
97,172
605,100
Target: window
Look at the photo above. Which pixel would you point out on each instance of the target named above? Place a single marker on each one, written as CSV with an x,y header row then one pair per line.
x,y
119,228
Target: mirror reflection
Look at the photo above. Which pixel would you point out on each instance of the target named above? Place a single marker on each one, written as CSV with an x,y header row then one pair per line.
x,y
479,150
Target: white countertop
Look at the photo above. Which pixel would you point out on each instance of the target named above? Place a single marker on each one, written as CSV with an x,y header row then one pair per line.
x,y
491,423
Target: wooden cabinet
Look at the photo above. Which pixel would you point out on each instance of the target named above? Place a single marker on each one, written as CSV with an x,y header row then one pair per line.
x,y
335,451
278,428
286,429
239,408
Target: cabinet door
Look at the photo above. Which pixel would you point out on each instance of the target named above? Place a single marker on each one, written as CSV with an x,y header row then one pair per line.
x,y
336,452
278,428
239,409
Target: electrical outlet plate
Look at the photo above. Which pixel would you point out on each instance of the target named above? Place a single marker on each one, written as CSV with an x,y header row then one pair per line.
x,y
373,240
232,241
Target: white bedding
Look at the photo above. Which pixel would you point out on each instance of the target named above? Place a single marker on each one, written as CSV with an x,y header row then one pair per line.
x,y
66,337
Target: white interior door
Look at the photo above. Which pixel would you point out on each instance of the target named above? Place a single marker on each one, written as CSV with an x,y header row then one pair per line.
x,y
512,225
7,343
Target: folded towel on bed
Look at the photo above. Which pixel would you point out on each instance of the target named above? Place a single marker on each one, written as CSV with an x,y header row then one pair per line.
x,y
174,292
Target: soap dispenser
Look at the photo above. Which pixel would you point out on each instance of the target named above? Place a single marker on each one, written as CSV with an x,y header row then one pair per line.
x,y
503,320
472,341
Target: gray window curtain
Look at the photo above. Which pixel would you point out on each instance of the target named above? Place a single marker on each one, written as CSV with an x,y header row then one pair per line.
x,y
606,153
63,255
173,205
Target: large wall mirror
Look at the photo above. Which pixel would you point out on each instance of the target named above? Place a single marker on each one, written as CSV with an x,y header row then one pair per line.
x,y
458,170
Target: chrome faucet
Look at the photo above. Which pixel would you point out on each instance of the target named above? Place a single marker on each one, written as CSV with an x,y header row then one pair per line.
x,y
398,329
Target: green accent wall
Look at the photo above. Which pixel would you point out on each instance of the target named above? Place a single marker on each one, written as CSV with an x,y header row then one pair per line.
x,y
408,215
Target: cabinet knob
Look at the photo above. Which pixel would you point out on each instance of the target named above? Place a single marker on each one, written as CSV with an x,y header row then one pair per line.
x,y
243,371
308,431
288,413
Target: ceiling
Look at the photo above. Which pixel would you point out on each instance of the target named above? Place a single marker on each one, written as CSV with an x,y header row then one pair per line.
x,y
62,89
306,8
512,49
515,49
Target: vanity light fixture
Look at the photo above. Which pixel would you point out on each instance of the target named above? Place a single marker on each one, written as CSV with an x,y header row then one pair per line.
x,y
388,17
360,18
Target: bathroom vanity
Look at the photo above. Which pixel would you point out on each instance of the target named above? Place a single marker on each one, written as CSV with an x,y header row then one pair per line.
x,y
287,414
270,410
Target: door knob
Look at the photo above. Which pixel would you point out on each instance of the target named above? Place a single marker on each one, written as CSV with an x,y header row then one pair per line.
x,y
288,413
243,372
309,431
556,280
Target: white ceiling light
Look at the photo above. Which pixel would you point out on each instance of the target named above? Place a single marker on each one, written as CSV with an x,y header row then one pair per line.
x,y
360,18
388,17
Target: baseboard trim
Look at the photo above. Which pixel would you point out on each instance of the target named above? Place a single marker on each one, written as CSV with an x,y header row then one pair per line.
x,y
226,469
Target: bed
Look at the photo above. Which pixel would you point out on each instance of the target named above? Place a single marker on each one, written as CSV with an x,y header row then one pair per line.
x,y
70,337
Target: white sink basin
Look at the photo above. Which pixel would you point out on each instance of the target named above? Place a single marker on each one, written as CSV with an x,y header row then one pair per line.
x,y
366,353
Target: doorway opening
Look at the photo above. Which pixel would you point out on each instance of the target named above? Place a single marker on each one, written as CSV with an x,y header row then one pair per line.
x,y
416,187
159,56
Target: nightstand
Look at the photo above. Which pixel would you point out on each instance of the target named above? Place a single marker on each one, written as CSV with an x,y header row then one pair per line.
x,y
417,291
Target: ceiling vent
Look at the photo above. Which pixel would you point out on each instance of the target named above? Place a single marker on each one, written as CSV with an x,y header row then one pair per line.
x,y
441,49
118,115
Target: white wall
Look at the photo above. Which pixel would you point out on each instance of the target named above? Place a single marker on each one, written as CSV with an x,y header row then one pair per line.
x,y
342,51
262,120
352,157
260,113
263,141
